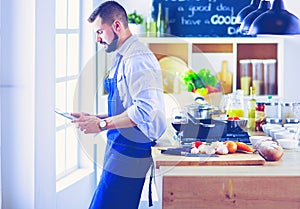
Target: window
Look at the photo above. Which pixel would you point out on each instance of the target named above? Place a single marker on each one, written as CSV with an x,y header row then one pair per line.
x,y
67,71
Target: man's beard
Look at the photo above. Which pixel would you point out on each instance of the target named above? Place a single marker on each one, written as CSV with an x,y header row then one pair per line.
x,y
113,45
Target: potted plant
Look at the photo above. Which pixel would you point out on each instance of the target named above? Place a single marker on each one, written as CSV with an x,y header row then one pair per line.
x,y
136,23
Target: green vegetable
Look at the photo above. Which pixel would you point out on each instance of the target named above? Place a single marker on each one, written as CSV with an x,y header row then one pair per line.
x,y
190,86
135,18
199,84
207,78
202,79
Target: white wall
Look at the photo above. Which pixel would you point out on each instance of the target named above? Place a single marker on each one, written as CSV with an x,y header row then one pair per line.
x,y
0,145
293,7
27,110
27,119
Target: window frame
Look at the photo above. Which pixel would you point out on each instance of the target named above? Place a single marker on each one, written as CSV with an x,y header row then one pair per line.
x,y
64,126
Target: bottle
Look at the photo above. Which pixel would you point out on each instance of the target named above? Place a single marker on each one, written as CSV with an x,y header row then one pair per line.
x,y
259,116
160,21
167,23
225,77
251,110
151,24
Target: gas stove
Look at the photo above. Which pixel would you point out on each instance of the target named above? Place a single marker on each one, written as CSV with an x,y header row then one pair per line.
x,y
210,130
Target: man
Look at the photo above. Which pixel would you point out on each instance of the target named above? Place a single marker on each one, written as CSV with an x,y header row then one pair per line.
x,y
135,117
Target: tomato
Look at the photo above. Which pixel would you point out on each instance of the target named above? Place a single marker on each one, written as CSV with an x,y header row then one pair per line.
x,y
231,146
233,118
196,144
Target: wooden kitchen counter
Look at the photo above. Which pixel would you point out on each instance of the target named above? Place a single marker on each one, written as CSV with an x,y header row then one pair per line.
x,y
270,185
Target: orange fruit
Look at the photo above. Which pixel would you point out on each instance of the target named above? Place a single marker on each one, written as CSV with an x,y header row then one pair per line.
x,y
231,146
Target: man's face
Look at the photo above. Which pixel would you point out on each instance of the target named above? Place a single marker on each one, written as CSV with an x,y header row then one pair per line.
x,y
105,35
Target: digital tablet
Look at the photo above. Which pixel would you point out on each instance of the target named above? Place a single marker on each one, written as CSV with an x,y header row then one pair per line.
x,y
64,114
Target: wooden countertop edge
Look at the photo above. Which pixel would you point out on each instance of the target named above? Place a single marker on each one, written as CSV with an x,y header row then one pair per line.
x,y
208,163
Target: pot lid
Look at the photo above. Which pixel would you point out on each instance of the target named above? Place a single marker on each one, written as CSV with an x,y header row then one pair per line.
x,y
200,107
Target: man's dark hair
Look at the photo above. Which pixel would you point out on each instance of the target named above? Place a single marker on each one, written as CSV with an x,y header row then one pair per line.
x,y
109,11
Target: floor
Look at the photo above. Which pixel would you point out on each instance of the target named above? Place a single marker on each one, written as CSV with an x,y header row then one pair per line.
x,y
144,199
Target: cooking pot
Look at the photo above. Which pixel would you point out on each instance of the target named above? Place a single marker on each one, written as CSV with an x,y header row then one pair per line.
x,y
200,110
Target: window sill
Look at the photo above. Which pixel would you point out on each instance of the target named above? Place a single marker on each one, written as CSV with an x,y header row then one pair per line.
x,y
72,178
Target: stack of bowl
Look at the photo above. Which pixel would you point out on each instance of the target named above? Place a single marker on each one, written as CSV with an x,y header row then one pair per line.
x,y
285,135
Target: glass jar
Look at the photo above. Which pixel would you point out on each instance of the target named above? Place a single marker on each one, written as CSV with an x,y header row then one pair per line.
x,y
291,121
246,75
257,76
272,110
270,76
286,111
235,107
274,121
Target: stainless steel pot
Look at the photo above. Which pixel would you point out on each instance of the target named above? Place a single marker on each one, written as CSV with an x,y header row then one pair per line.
x,y
200,111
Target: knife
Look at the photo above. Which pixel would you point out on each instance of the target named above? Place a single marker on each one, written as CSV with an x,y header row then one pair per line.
x,y
184,152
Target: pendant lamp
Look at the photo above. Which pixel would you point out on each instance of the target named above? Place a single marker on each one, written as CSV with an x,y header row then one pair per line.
x,y
263,7
246,10
276,21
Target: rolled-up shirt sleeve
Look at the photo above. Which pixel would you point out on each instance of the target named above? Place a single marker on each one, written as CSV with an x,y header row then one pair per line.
x,y
145,107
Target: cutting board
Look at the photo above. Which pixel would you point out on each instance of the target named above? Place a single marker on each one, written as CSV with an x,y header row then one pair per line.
x,y
236,159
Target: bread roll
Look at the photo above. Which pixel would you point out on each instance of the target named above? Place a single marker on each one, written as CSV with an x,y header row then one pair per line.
x,y
270,150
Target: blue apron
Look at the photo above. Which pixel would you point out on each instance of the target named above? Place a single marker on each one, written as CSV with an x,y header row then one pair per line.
x,y
126,161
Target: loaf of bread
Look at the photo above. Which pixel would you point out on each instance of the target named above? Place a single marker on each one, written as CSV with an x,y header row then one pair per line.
x,y
270,150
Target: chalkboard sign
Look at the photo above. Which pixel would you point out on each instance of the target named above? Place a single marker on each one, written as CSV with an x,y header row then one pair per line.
x,y
197,18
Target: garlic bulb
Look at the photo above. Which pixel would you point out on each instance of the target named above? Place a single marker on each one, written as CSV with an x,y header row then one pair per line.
x,y
222,150
195,150
202,148
210,150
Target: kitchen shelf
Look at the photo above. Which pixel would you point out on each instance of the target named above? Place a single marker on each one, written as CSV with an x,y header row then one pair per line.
x,y
215,50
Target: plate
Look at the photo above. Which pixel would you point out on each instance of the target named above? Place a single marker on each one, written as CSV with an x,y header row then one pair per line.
x,y
172,67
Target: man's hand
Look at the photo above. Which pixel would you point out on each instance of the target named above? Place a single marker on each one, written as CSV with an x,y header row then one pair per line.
x,y
88,124
79,114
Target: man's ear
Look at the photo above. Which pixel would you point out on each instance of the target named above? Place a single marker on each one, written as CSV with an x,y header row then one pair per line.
x,y
117,26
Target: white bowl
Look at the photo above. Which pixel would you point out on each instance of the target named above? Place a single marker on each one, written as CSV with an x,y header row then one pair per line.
x,y
256,139
288,143
283,135
292,129
267,127
287,125
275,130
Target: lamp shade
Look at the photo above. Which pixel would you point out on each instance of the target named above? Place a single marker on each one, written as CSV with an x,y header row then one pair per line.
x,y
275,21
246,10
263,7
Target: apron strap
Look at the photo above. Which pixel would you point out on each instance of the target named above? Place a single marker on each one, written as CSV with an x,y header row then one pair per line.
x,y
150,184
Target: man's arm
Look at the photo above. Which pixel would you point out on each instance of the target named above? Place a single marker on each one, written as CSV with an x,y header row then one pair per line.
x,y
91,123
119,121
